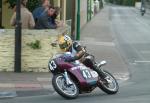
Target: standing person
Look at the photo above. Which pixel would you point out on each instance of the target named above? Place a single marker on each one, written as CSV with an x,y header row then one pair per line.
x,y
39,11
26,17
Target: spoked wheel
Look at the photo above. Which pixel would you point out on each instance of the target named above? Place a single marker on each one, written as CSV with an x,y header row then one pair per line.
x,y
67,91
109,84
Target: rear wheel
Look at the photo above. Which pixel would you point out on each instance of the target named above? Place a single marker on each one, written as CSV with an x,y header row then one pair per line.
x,y
108,84
142,13
67,91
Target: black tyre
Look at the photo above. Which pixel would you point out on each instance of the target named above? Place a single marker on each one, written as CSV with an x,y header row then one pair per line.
x,y
108,84
142,13
60,86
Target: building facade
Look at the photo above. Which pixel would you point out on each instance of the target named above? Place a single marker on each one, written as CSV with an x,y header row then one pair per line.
x,y
30,57
147,4
68,11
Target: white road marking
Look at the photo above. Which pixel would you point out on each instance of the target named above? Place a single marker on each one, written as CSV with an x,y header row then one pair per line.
x,y
43,79
121,76
55,93
145,52
99,43
47,86
136,61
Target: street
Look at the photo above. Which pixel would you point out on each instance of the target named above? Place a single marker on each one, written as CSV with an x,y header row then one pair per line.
x,y
131,36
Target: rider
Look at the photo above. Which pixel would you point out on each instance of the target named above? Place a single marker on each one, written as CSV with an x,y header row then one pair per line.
x,y
67,45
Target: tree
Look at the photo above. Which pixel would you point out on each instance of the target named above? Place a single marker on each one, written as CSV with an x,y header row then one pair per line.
x,y
31,5
0,14
124,2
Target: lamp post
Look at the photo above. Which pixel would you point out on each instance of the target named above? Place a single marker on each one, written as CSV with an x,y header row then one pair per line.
x,y
78,21
142,4
0,14
73,5
17,65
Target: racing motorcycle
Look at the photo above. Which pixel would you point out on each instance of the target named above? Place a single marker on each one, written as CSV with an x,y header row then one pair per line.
x,y
73,78
143,11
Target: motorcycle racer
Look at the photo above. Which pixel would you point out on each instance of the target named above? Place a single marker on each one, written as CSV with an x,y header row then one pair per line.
x,y
79,53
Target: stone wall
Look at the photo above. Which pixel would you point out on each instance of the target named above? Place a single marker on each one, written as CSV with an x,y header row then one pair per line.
x,y
32,59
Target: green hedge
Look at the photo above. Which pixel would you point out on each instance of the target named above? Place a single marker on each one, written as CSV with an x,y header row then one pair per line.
x,y
129,2
31,5
124,2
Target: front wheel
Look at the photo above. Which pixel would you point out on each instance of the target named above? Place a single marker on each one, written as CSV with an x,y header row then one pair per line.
x,y
108,84
61,87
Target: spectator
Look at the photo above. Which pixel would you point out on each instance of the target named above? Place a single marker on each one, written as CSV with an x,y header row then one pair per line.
x,y
37,12
47,20
53,19
26,17
57,22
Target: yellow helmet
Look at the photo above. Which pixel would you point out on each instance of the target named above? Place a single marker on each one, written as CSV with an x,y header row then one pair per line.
x,y
64,42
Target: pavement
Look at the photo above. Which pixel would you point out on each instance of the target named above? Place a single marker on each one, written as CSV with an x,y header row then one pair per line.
x,y
25,84
100,41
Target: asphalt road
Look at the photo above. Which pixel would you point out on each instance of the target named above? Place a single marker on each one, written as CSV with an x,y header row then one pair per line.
x,y
132,37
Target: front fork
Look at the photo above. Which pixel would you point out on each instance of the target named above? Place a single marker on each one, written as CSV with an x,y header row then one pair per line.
x,y
67,79
97,68
100,72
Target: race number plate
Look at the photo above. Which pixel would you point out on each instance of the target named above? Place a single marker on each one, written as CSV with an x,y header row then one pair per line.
x,y
87,73
52,65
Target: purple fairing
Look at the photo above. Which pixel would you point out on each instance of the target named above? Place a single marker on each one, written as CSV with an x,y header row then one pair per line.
x,y
67,56
77,69
66,65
